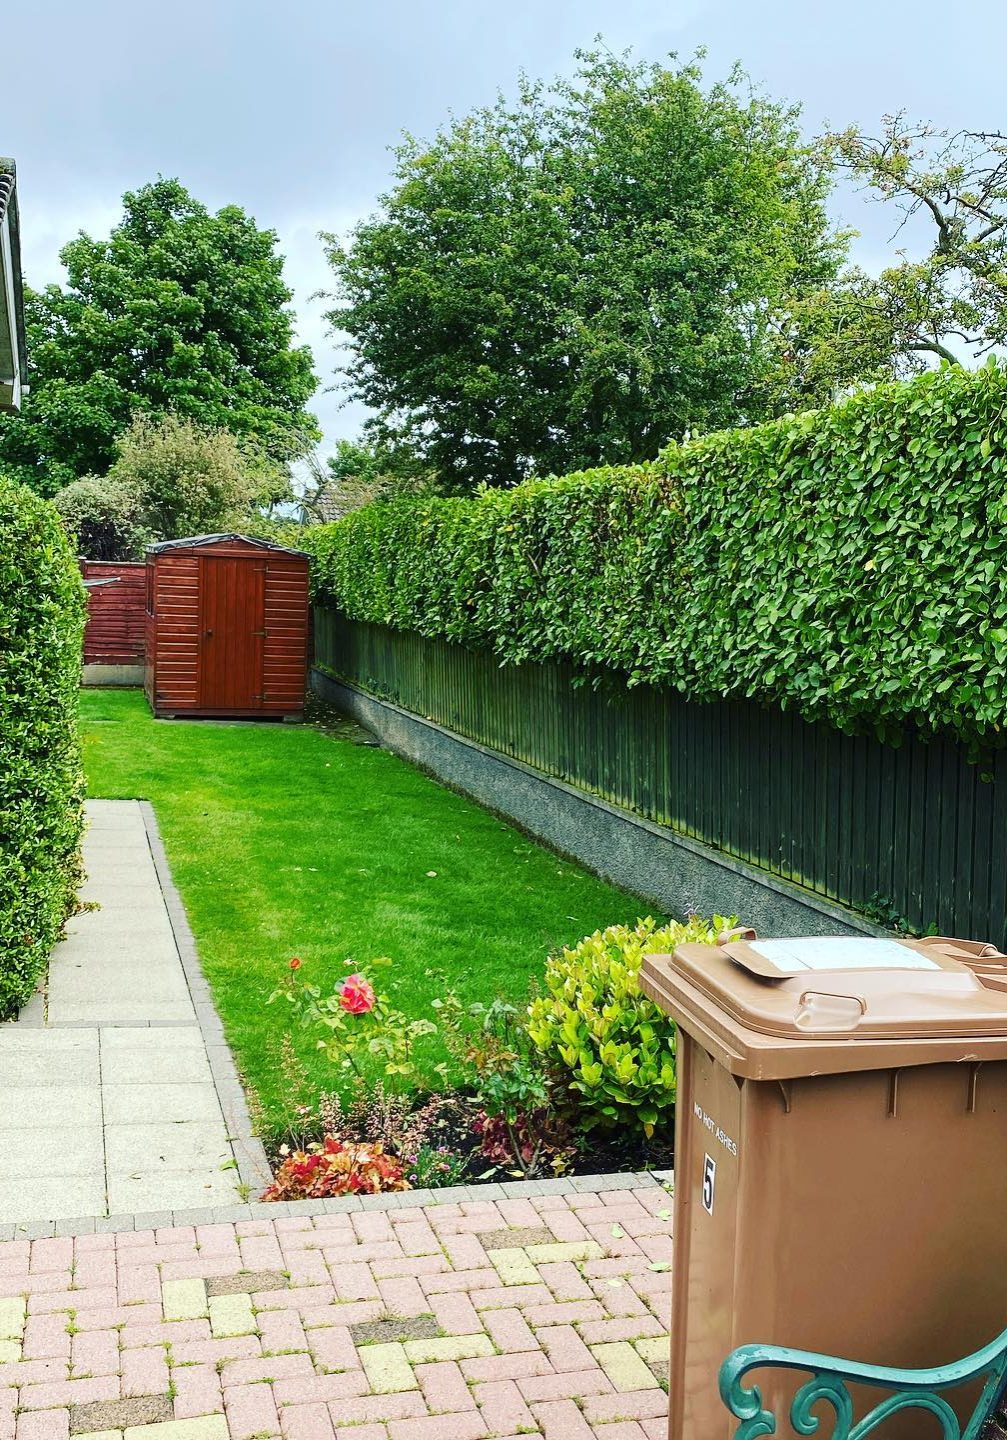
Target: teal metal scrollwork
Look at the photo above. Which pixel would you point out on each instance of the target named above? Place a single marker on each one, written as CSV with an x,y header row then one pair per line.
x,y
827,1388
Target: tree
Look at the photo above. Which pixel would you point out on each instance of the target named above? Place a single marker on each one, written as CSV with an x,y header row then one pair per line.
x,y
578,277
356,474
331,486
194,480
179,310
170,478
950,304
356,462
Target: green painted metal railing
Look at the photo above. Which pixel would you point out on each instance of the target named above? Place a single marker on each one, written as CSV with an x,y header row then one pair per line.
x,y
828,1390
912,835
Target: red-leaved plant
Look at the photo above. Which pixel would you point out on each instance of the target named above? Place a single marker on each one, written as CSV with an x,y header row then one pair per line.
x,y
336,1167
525,1145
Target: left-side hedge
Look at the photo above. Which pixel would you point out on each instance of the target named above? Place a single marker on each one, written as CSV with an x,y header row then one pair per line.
x,y
42,613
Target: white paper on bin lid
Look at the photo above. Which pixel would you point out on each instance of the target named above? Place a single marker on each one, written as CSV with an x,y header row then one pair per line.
x,y
838,952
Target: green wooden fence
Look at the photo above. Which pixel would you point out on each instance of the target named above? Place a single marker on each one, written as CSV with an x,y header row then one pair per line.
x,y
913,833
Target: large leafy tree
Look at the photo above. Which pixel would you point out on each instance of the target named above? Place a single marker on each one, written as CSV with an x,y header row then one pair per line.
x,y
581,275
179,310
355,462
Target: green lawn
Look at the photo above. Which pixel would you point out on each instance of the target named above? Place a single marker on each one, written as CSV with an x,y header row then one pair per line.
x,y
289,840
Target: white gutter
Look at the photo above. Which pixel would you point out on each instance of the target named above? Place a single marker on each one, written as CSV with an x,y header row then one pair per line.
x,y
11,299
10,372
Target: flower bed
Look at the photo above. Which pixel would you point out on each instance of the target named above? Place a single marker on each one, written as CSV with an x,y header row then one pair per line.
x,y
581,1079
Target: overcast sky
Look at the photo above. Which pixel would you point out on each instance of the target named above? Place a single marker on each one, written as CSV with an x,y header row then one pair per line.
x,y
289,109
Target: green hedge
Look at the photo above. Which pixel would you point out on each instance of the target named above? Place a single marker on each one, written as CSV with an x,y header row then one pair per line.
x,y
42,611
849,563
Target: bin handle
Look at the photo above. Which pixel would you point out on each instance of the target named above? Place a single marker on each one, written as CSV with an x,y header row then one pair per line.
x,y
740,932
954,951
966,950
837,1013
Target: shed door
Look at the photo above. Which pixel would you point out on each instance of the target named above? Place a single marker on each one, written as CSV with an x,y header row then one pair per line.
x,y
231,632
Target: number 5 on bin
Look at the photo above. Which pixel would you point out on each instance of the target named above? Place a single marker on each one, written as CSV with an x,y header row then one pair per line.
x,y
709,1183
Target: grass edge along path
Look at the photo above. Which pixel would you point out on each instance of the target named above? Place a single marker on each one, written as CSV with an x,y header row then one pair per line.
x,y
291,840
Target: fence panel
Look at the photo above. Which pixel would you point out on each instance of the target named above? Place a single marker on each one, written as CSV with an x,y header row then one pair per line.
x,y
115,612
914,833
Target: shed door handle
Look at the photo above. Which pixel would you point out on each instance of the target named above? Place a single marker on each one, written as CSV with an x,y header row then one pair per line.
x,y
207,634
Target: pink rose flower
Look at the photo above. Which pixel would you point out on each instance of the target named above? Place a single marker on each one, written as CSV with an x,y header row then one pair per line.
x,y
356,995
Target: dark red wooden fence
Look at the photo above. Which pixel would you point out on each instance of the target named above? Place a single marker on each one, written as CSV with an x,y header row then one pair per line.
x,y
115,613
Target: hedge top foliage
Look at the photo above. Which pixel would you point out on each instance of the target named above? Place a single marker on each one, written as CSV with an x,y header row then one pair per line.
x,y
848,563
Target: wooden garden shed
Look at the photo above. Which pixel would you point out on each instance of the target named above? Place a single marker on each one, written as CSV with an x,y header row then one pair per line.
x,y
227,628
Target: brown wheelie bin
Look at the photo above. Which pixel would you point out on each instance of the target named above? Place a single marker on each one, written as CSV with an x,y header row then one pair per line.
x,y
841,1157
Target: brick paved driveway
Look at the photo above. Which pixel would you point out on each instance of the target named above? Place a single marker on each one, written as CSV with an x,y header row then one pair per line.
x,y
534,1316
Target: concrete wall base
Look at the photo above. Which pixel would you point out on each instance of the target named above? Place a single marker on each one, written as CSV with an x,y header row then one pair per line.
x,y
670,871
112,676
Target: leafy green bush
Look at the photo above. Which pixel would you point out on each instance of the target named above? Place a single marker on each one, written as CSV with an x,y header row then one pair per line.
x,y
594,1025
171,478
42,608
104,518
194,480
848,563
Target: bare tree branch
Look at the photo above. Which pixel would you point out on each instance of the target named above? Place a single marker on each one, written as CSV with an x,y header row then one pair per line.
x,y
935,348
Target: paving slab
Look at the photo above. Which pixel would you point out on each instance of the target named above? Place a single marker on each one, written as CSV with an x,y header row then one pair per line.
x,y
34,1107
186,1067
114,815
102,1013
182,1145
147,1190
125,866
121,1040
51,1152
156,946
132,1103
56,1197
124,981
108,1101
29,1057
141,930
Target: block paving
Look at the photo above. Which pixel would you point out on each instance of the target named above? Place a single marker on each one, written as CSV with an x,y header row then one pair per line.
x,y
543,1315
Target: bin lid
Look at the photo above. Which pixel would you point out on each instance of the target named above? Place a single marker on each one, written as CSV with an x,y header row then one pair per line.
x,y
910,1001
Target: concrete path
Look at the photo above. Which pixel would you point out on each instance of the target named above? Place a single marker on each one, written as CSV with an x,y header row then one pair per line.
x,y
538,1315
108,1100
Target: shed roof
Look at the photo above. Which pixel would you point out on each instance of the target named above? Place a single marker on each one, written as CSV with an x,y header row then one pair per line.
x,y
197,542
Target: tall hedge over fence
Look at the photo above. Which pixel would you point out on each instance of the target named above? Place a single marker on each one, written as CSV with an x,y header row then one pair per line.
x,y
849,563
42,611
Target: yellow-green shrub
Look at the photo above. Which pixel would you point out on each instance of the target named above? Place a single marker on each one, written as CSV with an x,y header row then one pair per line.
x,y
595,1026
